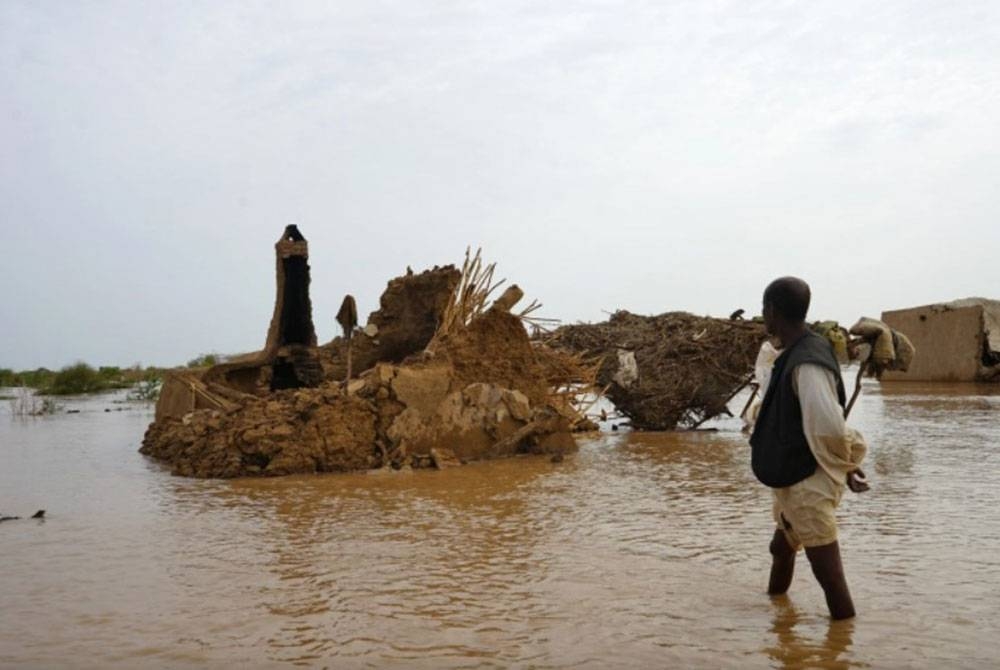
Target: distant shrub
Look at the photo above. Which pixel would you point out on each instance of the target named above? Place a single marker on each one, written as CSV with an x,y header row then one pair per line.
x,y
82,378
74,379
204,361
29,378
136,374
111,373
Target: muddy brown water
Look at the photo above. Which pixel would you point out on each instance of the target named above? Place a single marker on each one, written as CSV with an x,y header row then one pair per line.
x,y
642,550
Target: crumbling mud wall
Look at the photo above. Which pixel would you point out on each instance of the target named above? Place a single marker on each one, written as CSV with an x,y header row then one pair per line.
x,y
408,316
306,430
959,341
671,370
431,392
428,410
289,358
409,313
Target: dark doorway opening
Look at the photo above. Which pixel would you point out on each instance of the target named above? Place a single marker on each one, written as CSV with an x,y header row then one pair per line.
x,y
296,322
283,376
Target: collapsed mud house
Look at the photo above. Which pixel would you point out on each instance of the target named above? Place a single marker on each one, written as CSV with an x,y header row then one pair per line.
x,y
959,341
670,370
443,375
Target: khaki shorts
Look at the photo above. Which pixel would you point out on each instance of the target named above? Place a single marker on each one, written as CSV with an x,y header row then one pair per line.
x,y
805,511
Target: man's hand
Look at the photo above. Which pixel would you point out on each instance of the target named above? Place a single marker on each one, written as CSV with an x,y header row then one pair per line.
x,y
856,481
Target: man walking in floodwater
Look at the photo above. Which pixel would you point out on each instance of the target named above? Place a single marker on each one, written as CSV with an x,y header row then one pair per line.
x,y
802,448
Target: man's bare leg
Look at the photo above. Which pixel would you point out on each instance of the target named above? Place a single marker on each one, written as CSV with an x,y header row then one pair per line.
x,y
782,564
829,571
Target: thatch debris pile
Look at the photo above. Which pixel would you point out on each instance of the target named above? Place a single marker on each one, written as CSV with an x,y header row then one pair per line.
x,y
445,375
667,371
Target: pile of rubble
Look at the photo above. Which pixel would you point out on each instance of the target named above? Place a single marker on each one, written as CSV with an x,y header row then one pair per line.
x,y
443,379
671,370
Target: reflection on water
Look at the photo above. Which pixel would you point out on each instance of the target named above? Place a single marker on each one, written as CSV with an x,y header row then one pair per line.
x,y
641,550
795,650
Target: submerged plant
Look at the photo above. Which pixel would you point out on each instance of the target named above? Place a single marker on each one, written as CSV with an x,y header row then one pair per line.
x,y
145,391
26,403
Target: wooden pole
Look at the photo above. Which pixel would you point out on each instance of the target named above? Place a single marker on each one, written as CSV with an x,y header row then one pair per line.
x,y
857,388
732,395
347,317
749,400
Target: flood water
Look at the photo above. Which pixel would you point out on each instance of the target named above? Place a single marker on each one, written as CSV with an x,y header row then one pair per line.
x,y
642,550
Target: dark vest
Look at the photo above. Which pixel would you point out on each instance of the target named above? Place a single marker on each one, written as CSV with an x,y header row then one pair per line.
x,y
780,454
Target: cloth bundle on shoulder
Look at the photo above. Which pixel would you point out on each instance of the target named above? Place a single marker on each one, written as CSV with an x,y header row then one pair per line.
x,y
837,337
890,349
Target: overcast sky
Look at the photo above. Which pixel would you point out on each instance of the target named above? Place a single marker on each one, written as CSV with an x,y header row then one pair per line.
x,y
649,156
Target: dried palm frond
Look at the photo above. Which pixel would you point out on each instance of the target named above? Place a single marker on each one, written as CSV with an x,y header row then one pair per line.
x,y
581,373
568,375
538,325
471,295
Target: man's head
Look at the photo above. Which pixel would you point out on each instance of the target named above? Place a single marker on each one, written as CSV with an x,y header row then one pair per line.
x,y
786,301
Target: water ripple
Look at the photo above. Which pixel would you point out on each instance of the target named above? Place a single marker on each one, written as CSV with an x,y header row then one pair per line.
x,y
642,549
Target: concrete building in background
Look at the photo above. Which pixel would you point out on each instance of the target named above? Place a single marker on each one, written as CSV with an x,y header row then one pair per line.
x,y
958,341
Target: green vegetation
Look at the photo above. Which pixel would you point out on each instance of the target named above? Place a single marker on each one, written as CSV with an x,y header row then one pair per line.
x,y
83,378
79,378
143,383
29,378
205,361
